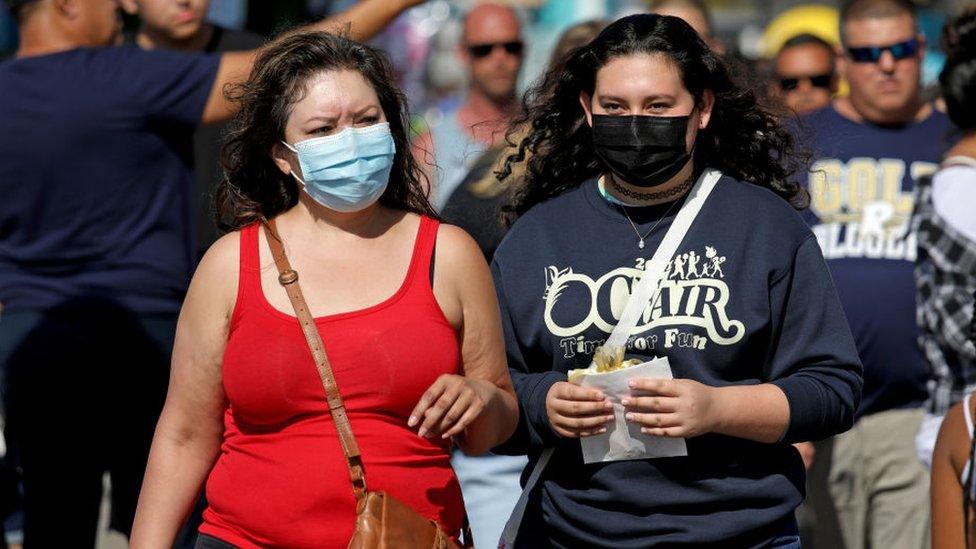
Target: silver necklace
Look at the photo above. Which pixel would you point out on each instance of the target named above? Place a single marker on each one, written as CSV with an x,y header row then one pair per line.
x,y
640,239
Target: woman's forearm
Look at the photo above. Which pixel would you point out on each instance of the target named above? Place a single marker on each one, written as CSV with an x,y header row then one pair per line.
x,y
753,412
178,466
495,425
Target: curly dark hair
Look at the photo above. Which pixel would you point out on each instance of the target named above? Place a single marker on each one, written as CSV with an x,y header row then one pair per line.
x,y
744,138
253,188
958,76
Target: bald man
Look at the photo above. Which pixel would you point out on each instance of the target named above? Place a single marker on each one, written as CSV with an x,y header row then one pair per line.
x,y
491,51
696,14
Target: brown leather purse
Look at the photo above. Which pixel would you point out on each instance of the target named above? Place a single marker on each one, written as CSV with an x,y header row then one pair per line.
x,y
382,521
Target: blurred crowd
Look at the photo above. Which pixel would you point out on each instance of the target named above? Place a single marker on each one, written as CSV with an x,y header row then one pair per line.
x,y
879,95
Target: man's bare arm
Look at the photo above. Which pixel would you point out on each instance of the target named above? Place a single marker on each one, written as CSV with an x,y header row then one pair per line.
x,y
362,21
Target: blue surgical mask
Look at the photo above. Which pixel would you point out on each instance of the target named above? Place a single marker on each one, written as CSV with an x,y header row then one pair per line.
x,y
348,171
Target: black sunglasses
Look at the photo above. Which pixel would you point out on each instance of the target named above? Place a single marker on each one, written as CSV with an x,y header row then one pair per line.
x,y
817,81
479,51
872,54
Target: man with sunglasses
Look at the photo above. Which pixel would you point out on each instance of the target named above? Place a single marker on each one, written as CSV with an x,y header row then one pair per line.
x,y
491,51
870,147
805,78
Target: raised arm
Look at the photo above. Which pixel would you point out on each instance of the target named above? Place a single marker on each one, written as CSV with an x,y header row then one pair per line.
x,y
189,432
362,21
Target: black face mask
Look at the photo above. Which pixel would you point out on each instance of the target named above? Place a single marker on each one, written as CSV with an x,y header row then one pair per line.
x,y
643,150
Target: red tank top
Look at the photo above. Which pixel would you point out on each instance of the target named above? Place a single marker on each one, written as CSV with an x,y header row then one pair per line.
x,y
281,478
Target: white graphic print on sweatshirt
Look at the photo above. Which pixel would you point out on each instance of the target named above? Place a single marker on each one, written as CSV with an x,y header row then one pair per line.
x,y
692,294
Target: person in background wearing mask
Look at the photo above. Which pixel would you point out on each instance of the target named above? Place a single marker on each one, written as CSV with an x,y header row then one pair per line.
x,y
870,148
696,14
492,51
746,315
946,278
805,77
319,160
181,25
96,249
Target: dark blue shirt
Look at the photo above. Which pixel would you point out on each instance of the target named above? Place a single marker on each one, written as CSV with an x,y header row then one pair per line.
x,y
95,176
748,300
862,186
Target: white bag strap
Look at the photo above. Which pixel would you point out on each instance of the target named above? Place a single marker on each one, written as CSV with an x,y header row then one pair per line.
x,y
639,298
654,269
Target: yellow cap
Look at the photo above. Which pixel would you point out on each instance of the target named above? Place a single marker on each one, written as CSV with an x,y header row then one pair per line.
x,y
816,19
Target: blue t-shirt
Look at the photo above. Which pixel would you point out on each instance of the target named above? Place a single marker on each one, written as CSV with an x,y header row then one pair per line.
x,y
747,300
95,176
862,194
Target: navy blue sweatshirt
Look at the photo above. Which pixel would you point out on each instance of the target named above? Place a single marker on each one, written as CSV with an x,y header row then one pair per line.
x,y
748,300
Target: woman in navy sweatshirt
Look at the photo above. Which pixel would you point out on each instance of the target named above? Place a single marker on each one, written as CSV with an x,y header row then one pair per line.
x,y
747,314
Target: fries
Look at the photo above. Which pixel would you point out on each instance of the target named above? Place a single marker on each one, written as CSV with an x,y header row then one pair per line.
x,y
606,360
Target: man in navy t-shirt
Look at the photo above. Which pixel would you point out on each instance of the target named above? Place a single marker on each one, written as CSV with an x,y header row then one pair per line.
x,y
869,149
182,26
96,246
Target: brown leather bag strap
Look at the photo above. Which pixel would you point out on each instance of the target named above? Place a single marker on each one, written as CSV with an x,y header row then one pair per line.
x,y
288,278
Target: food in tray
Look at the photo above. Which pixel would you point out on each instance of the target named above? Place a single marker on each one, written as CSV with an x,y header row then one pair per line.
x,y
605,360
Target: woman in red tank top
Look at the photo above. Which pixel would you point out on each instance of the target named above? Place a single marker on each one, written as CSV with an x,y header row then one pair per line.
x,y
415,343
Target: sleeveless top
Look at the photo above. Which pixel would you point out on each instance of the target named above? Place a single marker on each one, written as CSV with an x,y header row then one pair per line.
x,y
455,153
963,476
281,478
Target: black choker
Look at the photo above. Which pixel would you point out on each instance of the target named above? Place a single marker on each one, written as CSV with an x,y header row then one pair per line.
x,y
647,197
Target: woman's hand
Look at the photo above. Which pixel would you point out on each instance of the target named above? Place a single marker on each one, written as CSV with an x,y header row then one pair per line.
x,y
576,411
672,407
450,404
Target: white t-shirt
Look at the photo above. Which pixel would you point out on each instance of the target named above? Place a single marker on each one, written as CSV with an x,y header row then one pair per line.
x,y
954,195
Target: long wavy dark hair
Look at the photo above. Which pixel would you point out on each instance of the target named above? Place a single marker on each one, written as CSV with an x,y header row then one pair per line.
x,y
744,138
253,188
